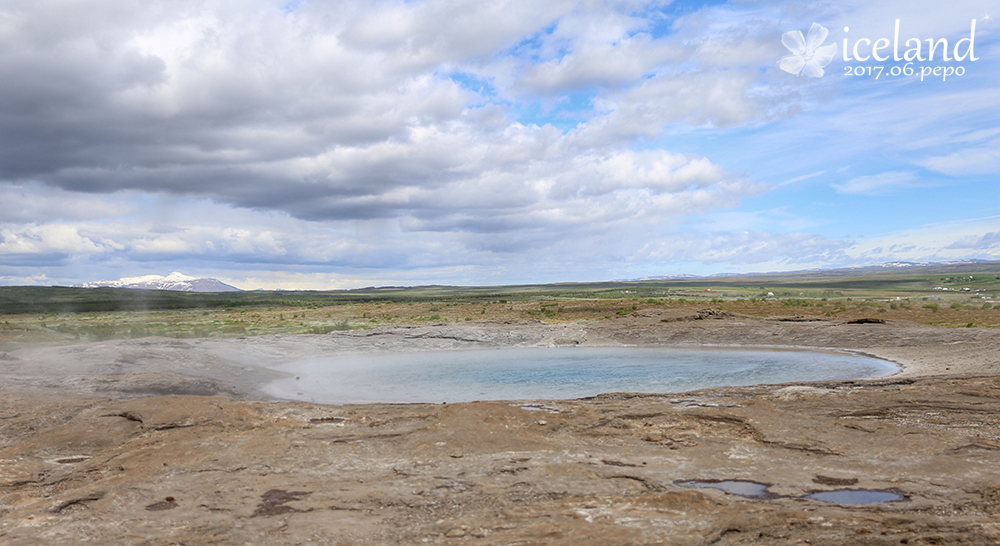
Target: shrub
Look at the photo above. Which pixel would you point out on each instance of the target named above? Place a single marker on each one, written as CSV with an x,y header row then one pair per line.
x,y
933,307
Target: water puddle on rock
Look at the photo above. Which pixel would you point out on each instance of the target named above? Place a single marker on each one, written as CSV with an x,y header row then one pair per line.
x,y
855,496
759,491
750,490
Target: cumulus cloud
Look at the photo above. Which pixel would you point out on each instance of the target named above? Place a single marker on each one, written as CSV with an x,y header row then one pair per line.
x,y
46,244
455,136
342,115
600,64
337,110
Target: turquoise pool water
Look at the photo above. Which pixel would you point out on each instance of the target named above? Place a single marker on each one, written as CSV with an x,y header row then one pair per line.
x,y
555,373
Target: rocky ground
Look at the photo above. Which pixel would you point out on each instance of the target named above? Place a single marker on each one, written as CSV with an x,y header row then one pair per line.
x,y
160,441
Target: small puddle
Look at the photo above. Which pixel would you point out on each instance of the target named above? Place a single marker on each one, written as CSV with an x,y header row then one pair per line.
x,y
750,490
759,491
855,496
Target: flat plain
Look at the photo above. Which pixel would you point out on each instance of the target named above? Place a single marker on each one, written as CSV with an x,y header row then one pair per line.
x,y
147,426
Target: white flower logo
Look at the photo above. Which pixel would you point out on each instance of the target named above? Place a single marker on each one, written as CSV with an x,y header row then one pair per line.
x,y
807,56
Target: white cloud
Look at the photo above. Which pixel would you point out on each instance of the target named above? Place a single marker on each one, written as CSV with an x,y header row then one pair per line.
x,y
343,110
802,177
600,64
989,241
29,280
749,247
877,184
47,239
712,98
965,239
984,159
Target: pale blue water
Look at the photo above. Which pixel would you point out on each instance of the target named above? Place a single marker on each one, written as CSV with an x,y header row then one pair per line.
x,y
855,496
554,373
754,490
750,490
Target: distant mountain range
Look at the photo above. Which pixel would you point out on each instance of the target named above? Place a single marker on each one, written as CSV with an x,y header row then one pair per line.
x,y
175,281
186,283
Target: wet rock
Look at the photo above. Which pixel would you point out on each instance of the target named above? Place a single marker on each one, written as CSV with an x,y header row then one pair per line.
x,y
272,503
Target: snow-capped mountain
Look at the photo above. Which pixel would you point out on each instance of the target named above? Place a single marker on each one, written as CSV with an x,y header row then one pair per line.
x,y
174,281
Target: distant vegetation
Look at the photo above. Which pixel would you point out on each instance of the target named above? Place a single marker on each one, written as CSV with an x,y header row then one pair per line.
x,y
71,315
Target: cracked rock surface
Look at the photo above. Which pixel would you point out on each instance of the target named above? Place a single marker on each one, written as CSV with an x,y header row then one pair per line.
x,y
107,443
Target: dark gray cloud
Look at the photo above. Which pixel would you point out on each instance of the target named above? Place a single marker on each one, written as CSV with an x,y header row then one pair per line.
x,y
336,111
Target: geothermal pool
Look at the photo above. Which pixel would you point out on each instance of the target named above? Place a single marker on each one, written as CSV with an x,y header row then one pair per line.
x,y
554,373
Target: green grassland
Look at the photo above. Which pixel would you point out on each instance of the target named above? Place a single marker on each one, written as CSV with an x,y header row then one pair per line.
x,y
60,315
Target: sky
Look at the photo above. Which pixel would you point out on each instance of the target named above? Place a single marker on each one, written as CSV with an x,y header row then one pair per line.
x,y
315,144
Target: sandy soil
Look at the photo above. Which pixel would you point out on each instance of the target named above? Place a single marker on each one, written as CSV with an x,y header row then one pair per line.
x,y
161,441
